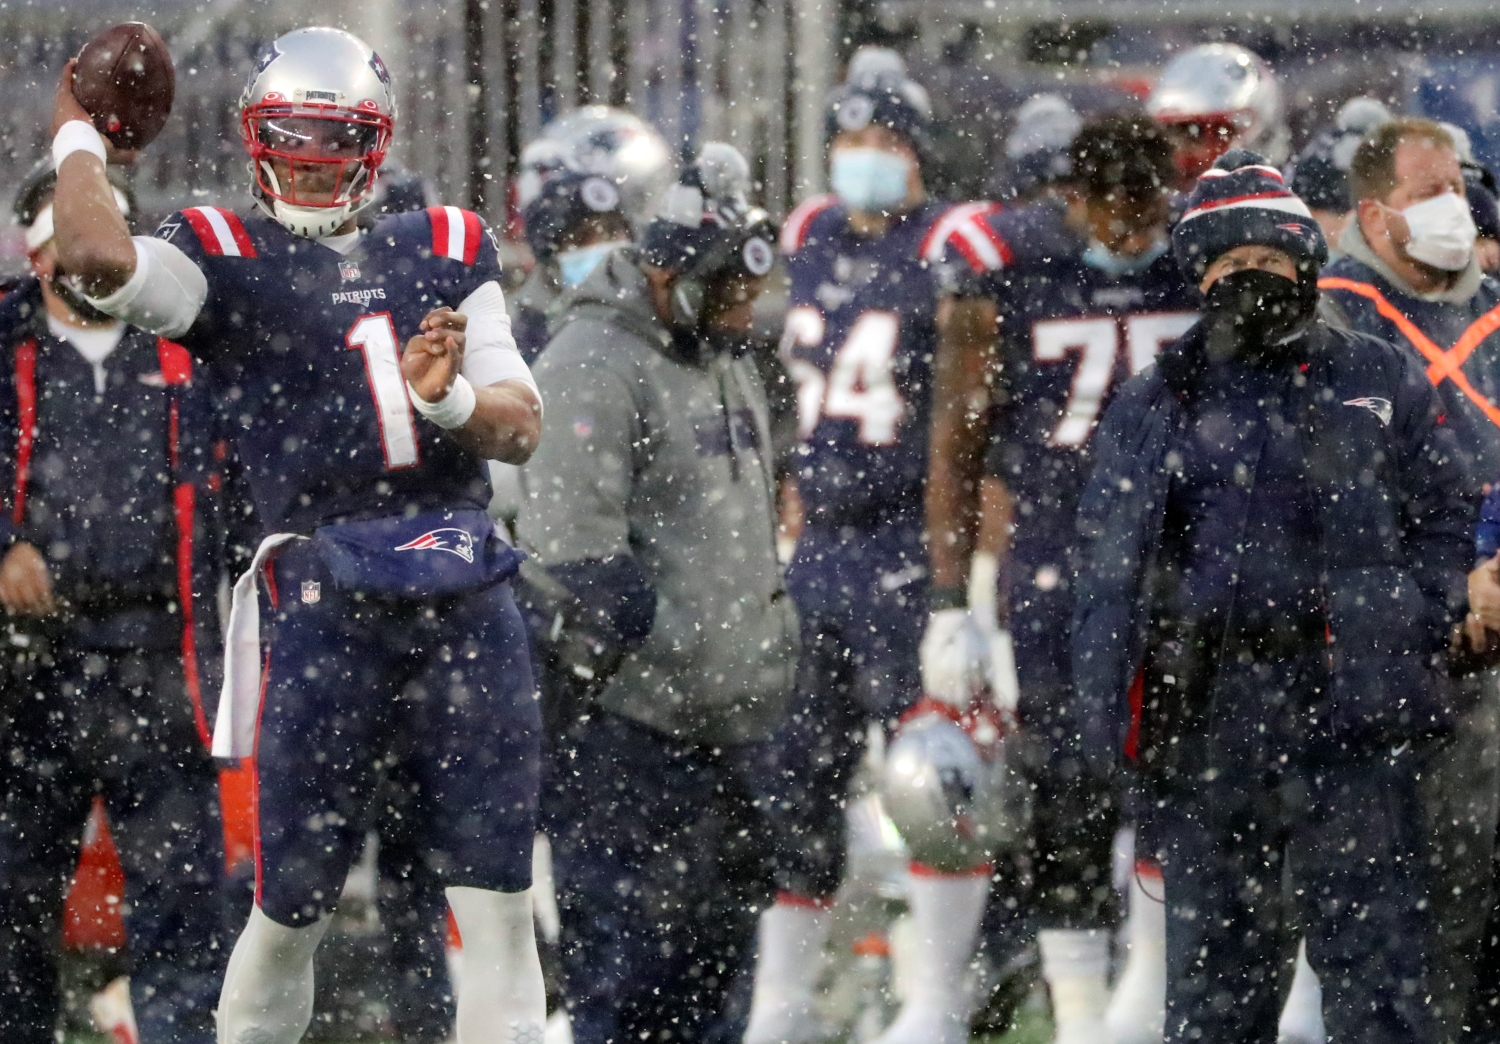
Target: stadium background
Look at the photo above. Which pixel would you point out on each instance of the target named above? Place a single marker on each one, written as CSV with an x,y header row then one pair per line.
x,y
477,79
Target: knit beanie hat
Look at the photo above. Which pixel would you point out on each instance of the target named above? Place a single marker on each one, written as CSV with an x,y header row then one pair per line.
x,y
1242,201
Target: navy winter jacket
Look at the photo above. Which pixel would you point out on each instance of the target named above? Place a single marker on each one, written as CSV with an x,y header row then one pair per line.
x,y
1395,506
119,490
1439,332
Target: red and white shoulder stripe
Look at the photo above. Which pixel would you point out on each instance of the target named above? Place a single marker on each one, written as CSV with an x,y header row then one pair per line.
x,y
794,228
455,233
220,231
966,230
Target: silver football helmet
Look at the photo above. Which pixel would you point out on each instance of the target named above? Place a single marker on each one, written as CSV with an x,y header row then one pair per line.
x,y
316,118
611,143
953,796
1228,96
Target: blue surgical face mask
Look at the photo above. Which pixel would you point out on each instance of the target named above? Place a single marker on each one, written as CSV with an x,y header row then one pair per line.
x,y
1099,256
576,265
869,179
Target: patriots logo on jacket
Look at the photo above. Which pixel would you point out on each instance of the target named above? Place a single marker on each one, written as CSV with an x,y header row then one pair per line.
x,y
1382,408
455,541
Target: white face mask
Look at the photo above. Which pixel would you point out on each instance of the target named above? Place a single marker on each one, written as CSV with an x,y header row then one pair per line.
x,y
1442,232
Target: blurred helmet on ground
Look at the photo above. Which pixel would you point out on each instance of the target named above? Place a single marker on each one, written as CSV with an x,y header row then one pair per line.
x,y
1215,97
950,797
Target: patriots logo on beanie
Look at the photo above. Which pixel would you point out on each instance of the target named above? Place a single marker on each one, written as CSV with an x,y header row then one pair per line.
x,y
1243,201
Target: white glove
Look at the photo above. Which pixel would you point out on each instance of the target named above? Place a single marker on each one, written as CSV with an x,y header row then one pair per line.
x,y
1004,684
955,658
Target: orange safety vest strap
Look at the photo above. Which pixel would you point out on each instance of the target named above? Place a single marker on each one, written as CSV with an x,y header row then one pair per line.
x,y
1474,336
1443,367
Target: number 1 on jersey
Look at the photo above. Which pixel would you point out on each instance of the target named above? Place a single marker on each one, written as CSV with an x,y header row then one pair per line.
x,y
375,336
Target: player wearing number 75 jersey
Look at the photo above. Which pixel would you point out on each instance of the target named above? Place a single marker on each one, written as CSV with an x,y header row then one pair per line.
x,y
868,268
379,581
1085,297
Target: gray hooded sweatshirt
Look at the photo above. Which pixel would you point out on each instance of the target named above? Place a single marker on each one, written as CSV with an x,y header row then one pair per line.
x,y
650,452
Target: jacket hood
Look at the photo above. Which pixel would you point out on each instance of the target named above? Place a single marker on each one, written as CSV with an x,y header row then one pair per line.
x,y
1353,243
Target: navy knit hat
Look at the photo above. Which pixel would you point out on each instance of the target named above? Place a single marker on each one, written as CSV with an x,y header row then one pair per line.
x,y
877,91
1242,201
705,227
1037,149
1320,174
566,199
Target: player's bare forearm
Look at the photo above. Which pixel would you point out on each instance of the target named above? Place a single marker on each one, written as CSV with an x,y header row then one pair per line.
x,y
507,420
506,424
960,399
93,241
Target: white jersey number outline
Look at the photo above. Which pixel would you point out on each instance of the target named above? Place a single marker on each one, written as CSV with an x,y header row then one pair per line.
x,y
859,386
374,336
1097,341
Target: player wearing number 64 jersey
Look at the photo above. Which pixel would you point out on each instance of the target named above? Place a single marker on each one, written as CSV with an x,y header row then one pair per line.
x,y
1087,294
370,375
868,265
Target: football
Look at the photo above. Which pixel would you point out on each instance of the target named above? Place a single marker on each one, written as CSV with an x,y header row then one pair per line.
x,y
124,80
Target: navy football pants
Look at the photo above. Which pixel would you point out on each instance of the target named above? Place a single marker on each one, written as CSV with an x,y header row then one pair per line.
x,y
118,724
1256,850
357,685
861,598
662,870
1069,845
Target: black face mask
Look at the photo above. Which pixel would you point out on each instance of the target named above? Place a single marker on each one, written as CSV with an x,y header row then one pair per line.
x,y
1254,314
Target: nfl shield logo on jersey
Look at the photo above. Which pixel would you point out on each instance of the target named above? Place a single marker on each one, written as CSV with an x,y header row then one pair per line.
x,y
312,592
348,271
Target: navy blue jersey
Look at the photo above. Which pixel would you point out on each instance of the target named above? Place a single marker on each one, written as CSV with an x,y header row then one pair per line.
x,y
1070,335
860,337
303,345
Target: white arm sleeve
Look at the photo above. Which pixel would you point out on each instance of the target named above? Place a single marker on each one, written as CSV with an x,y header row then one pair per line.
x,y
490,353
163,296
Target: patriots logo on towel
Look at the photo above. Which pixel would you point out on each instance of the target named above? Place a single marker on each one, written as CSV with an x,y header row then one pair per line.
x,y
455,541
1382,408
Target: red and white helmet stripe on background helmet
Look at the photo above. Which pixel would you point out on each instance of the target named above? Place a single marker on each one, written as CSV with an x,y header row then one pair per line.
x,y
316,118
1229,96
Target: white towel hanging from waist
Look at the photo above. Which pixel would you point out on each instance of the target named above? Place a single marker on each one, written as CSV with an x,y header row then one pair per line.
x,y
239,702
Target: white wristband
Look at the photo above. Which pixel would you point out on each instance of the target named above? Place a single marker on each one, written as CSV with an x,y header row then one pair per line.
x,y
77,136
452,410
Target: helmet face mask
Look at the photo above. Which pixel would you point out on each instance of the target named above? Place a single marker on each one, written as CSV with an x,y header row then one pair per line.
x,y
315,159
1230,95
317,119
1199,140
